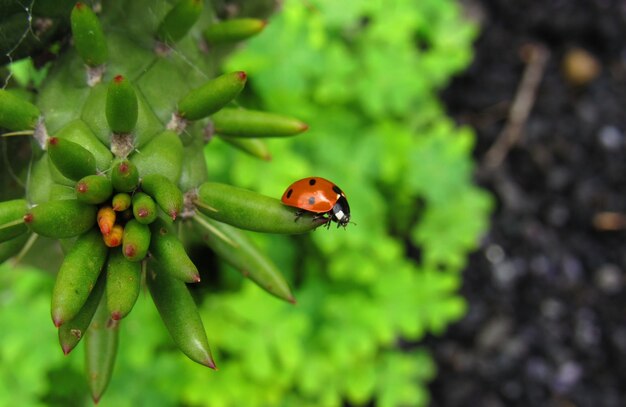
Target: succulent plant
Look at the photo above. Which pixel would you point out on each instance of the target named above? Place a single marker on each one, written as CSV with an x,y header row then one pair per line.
x,y
118,172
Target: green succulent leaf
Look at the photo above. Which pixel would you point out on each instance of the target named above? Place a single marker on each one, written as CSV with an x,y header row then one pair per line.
x,y
252,211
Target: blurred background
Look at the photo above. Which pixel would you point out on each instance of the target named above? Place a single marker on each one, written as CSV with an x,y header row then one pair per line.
x,y
481,146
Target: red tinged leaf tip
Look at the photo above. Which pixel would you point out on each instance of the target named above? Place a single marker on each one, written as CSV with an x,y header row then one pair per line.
x,y
116,315
130,250
197,278
66,350
304,127
79,5
264,23
118,79
142,213
210,363
28,218
52,141
173,214
123,167
58,321
82,187
242,75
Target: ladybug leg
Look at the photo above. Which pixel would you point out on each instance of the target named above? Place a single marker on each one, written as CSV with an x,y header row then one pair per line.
x,y
299,214
323,216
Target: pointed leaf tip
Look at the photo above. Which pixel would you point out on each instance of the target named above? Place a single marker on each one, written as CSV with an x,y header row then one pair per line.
x,y
210,364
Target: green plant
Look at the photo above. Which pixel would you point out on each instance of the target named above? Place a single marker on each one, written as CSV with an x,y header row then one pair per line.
x,y
118,174
365,77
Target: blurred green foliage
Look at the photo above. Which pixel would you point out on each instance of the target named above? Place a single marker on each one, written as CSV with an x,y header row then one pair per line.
x,y
365,76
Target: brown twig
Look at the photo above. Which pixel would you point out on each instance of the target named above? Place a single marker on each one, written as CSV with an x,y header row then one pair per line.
x,y
536,57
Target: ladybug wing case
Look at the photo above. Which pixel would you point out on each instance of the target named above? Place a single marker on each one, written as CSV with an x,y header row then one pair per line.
x,y
307,196
312,201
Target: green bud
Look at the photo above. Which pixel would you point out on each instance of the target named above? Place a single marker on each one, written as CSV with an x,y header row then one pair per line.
x,y
144,208
77,276
122,286
179,20
100,350
78,132
11,219
71,159
253,146
121,202
121,105
136,240
89,38
71,332
61,219
252,123
94,189
165,193
93,113
162,155
179,314
236,29
16,113
234,247
252,211
212,96
124,176
169,251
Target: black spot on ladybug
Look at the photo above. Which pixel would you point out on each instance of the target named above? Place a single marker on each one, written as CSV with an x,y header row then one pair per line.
x,y
311,200
289,193
312,181
337,190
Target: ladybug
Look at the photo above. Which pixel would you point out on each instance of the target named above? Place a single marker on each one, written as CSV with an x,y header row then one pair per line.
x,y
320,196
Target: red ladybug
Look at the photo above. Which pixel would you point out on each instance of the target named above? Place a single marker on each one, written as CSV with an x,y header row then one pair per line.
x,y
320,196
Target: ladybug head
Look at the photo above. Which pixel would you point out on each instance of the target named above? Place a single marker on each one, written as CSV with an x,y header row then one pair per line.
x,y
341,212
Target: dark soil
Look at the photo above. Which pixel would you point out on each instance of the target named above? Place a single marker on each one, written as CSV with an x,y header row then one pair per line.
x,y
547,290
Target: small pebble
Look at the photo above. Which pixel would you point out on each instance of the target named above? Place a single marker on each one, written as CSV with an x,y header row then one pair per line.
x,y
580,67
609,278
611,138
495,254
567,376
